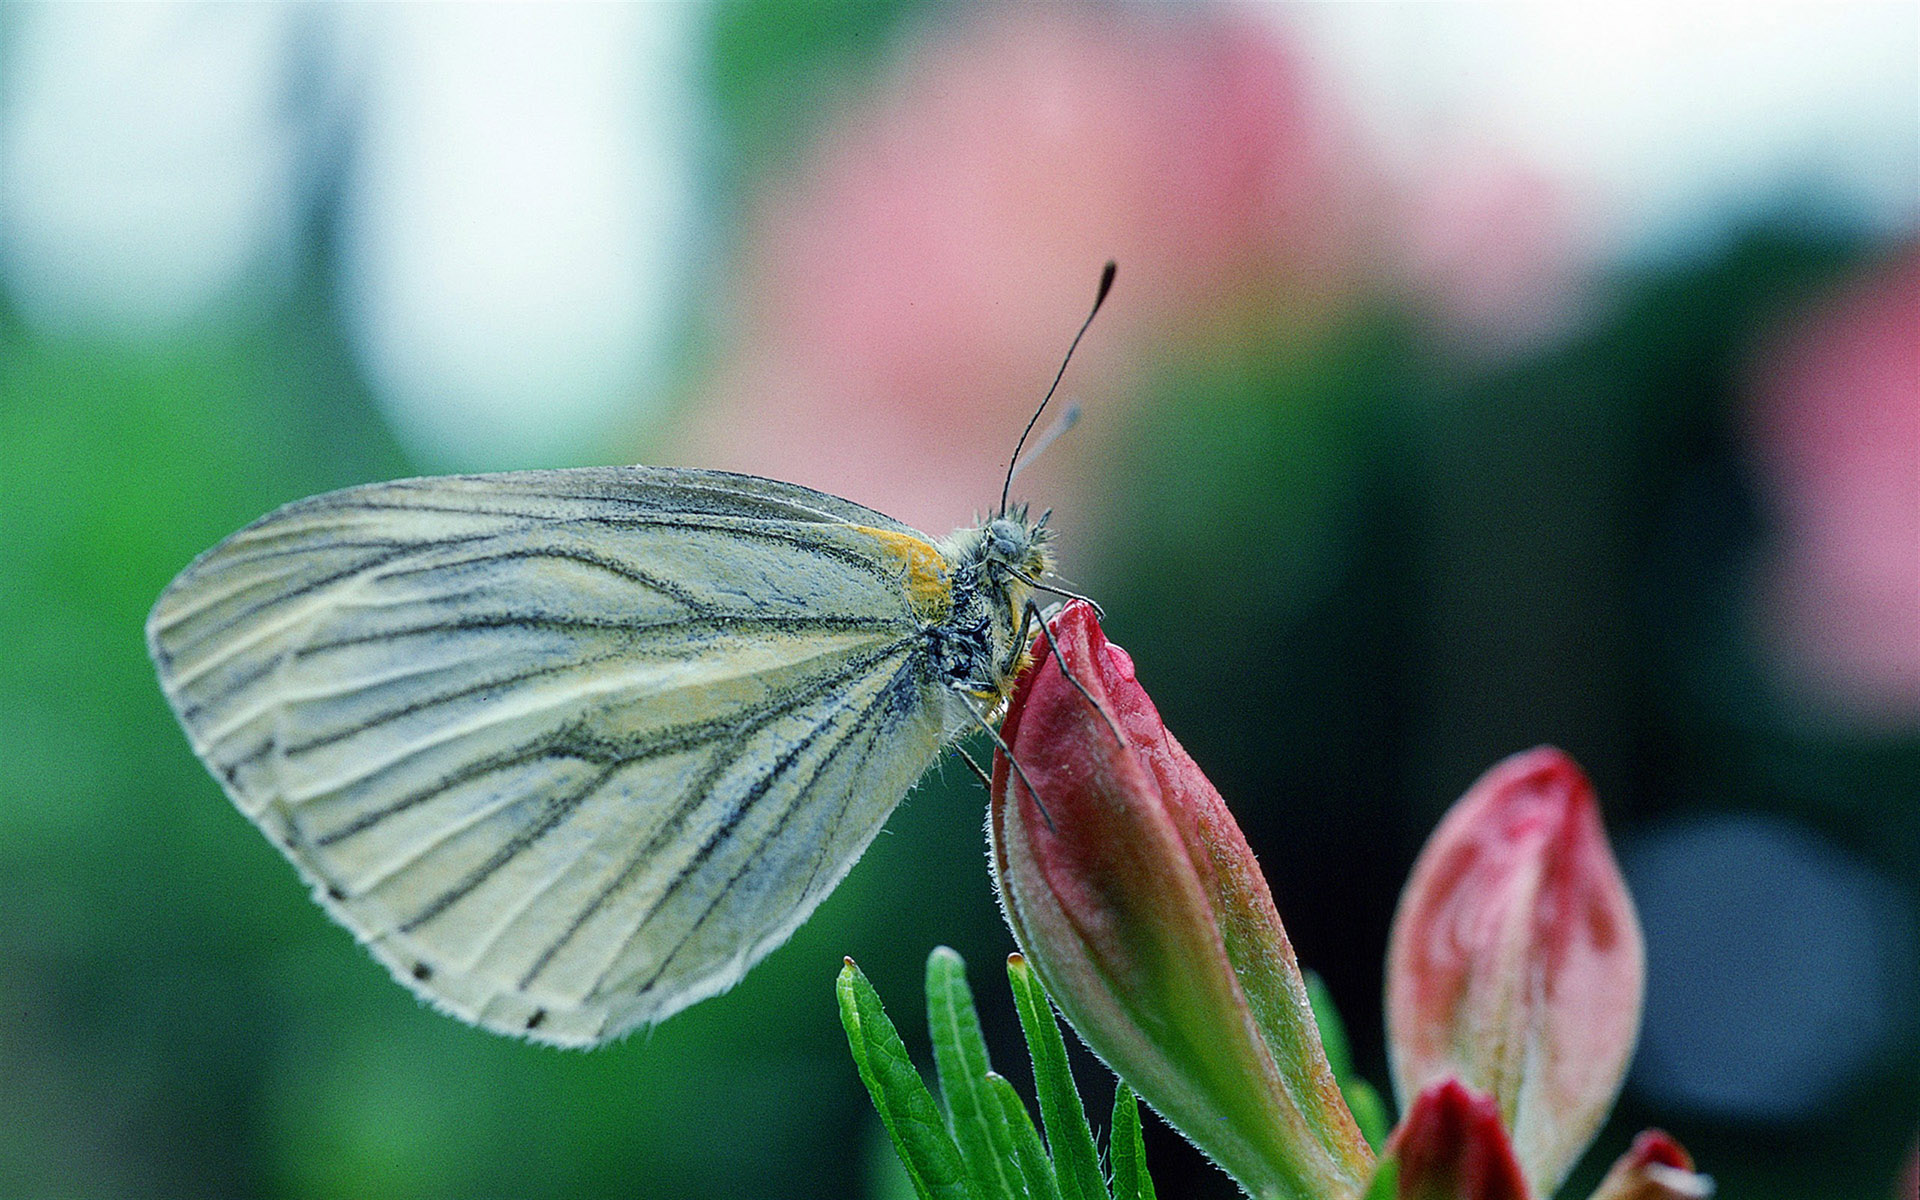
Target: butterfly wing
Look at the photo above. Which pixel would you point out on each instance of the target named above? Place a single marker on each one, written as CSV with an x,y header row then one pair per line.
x,y
569,750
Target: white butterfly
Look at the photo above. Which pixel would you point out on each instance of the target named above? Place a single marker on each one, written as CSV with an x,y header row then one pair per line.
x,y
571,750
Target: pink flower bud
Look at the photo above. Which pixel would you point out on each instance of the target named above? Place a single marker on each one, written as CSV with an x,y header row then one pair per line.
x,y
1136,898
1452,1146
1515,963
1655,1167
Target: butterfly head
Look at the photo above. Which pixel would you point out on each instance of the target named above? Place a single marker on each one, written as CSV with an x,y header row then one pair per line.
x,y
1016,545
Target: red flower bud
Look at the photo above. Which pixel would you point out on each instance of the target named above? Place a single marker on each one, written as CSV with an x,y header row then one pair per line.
x,y
1136,898
1452,1146
1655,1167
1515,963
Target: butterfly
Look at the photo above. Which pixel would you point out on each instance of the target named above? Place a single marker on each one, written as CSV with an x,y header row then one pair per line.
x,y
570,750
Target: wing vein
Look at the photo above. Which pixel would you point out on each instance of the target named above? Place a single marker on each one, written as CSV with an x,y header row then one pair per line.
x,y
725,830
554,813
678,818
557,812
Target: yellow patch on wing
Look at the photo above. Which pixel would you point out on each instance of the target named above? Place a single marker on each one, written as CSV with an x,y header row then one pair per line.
x,y
924,569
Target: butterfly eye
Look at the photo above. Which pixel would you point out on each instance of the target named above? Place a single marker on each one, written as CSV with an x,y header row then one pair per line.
x,y
1006,541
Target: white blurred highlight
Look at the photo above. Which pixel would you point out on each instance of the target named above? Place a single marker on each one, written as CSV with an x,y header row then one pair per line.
x,y
1665,121
146,163
518,223
518,217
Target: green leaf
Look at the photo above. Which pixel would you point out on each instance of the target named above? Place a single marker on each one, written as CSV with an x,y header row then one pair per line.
x,y
1333,1031
1035,1168
906,1106
1369,1111
1386,1181
1075,1162
1127,1149
883,1175
960,1054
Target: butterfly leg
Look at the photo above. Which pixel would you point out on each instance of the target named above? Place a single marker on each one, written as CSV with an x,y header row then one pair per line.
x,y
1007,750
1033,610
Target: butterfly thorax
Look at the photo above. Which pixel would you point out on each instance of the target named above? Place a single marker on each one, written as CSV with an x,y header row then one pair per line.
x,y
980,646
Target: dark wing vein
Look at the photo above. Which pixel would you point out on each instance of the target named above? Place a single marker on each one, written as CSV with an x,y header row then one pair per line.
x,y
553,815
576,744
725,830
588,558
553,812
698,796
627,648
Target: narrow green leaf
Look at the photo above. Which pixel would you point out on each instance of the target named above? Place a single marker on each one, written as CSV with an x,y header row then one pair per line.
x,y
883,1174
960,1054
1127,1150
1075,1162
1035,1167
1386,1181
906,1106
1333,1031
1369,1111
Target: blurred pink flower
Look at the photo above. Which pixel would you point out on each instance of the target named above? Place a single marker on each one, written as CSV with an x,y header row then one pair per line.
x,y
907,291
1515,962
1490,244
1835,403
1655,1167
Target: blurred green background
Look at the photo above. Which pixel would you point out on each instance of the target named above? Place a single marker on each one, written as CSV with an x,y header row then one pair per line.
x,y
1474,379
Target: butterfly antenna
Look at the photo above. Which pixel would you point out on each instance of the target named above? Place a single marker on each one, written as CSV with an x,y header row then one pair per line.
x,y
1106,285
